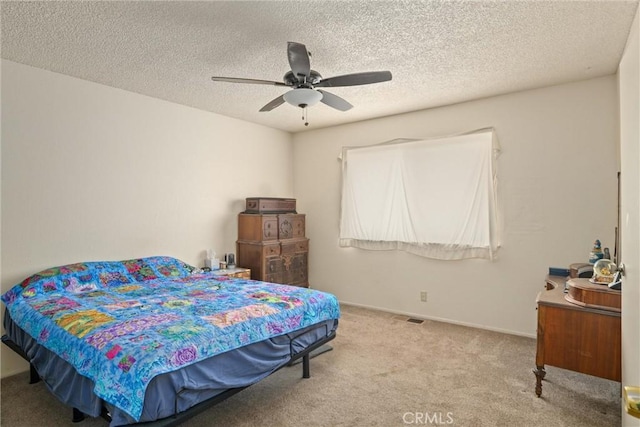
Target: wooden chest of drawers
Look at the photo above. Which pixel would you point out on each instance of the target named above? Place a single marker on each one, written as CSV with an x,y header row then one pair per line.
x,y
274,247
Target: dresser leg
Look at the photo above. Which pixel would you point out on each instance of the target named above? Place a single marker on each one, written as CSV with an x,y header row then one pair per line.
x,y
540,373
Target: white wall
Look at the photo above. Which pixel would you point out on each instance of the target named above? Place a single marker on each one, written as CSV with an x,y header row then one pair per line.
x,y
629,88
557,177
90,172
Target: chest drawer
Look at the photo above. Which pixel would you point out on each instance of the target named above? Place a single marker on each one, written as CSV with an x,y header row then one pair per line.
x,y
291,226
299,245
288,269
269,250
257,227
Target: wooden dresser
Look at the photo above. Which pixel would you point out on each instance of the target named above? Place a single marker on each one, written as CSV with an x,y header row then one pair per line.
x,y
274,247
582,336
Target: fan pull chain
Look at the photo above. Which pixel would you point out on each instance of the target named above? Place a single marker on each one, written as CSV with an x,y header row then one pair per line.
x,y
304,116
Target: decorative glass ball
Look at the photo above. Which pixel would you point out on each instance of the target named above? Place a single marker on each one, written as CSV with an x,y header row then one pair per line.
x,y
604,270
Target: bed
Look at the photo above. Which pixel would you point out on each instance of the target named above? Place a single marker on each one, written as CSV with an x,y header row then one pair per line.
x,y
156,340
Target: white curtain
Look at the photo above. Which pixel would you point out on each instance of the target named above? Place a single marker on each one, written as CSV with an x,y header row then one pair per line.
x,y
435,198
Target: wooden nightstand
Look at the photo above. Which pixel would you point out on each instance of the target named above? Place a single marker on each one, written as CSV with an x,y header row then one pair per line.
x,y
238,272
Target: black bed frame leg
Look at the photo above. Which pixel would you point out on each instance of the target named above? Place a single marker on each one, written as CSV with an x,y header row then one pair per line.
x,y
77,416
305,366
33,374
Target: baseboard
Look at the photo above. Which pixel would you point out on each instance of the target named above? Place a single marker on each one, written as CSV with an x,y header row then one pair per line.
x,y
439,319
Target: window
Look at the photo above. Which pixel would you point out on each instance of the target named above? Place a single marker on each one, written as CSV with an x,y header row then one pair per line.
x,y
435,198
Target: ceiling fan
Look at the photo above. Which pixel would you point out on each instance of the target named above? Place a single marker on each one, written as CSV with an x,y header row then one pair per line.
x,y
304,81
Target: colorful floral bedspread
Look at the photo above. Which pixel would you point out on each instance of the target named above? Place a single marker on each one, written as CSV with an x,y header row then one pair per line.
x,y
122,323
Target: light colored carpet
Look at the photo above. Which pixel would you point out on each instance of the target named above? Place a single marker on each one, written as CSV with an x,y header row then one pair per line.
x,y
385,371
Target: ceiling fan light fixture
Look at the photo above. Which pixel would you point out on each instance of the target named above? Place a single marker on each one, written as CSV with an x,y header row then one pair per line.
x,y
303,97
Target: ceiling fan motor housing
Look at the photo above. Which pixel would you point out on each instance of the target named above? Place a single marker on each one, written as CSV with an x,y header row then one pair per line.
x,y
291,80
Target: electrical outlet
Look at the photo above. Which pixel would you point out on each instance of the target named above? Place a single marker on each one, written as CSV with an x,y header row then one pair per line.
x,y
423,296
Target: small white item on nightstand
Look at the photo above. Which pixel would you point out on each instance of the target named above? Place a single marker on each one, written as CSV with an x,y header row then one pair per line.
x,y
211,261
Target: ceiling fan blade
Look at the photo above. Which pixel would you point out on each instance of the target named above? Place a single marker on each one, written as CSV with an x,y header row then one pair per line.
x,y
273,104
356,79
298,60
334,101
250,81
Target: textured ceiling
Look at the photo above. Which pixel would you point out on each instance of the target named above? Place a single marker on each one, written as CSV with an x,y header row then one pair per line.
x,y
440,52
